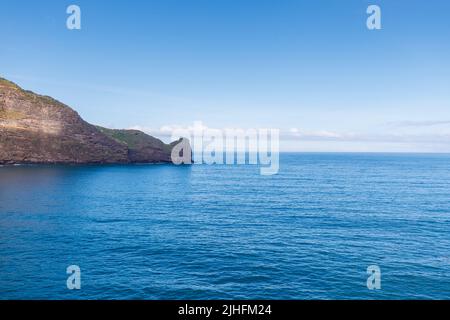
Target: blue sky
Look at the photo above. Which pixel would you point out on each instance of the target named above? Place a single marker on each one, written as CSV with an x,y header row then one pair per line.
x,y
310,68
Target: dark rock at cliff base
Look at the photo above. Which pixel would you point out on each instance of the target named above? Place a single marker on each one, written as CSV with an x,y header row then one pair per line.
x,y
39,129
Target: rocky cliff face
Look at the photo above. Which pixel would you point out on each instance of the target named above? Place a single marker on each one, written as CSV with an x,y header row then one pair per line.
x,y
39,129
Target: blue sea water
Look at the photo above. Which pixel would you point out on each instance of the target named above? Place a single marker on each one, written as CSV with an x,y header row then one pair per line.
x,y
210,232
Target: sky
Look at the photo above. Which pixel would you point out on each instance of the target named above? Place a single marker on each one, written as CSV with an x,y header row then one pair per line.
x,y
311,69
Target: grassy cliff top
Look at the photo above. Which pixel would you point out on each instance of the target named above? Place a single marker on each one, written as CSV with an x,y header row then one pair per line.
x,y
134,139
8,84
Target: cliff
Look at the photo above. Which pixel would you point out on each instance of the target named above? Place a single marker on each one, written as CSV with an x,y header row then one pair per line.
x,y
39,129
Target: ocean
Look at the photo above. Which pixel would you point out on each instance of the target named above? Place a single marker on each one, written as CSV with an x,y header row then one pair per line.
x,y
226,232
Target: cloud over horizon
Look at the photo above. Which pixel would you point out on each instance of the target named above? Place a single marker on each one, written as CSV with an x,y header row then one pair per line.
x,y
295,139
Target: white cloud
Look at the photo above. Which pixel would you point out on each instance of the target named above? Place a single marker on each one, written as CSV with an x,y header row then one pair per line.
x,y
296,139
426,123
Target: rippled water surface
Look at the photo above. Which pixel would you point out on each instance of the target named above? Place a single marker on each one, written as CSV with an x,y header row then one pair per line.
x,y
204,232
